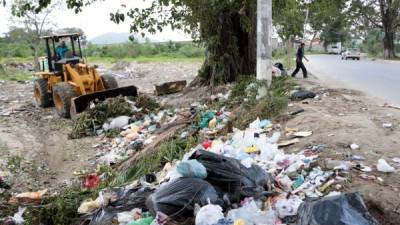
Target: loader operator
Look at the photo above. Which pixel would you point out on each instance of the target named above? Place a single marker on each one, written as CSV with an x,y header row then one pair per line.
x,y
61,50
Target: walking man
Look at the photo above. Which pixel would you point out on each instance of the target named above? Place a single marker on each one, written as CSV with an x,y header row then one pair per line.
x,y
299,61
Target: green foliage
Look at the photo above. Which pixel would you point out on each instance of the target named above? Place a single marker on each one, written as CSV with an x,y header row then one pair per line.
x,y
92,119
14,163
373,44
335,32
168,151
61,209
136,50
273,104
7,73
288,17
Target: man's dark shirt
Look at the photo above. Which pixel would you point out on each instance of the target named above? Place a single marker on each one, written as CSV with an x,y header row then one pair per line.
x,y
300,54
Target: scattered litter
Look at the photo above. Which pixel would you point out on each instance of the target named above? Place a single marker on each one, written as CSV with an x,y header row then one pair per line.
x,y
209,215
91,181
116,123
387,125
354,146
367,177
17,218
288,207
251,214
396,160
357,158
30,196
387,105
383,166
303,134
297,112
288,142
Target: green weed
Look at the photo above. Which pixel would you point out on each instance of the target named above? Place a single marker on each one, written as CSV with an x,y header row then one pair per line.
x,y
14,163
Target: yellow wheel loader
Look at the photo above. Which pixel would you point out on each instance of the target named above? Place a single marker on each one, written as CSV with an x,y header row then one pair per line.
x,y
67,82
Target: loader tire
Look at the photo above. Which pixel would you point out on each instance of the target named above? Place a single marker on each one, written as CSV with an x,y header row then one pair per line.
x,y
109,82
41,92
62,95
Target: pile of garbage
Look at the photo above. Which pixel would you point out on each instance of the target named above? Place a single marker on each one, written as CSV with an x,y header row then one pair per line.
x,y
240,178
135,132
106,115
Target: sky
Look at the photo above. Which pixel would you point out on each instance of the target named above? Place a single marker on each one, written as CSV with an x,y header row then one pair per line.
x,y
94,19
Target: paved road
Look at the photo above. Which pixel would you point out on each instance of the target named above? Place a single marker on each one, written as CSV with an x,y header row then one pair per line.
x,y
377,78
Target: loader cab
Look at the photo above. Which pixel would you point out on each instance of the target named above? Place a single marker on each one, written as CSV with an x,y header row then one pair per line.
x,y
55,59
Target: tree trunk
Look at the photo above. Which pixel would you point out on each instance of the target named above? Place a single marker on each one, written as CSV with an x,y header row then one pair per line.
x,y
36,59
230,53
311,42
388,45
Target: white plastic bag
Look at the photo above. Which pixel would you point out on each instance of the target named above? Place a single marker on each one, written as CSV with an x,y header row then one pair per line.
x,y
117,123
288,207
383,166
17,218
209,214
252,215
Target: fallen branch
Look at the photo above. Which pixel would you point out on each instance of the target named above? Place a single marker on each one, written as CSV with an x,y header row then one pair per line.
x,y
164,133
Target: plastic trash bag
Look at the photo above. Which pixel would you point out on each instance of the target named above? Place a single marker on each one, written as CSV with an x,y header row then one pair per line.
x,y
209,215
177,199
288,207
143,221
205,119
192,168
252,215
117,123
17,218
122,200
301,95
383,166
230,175
345,209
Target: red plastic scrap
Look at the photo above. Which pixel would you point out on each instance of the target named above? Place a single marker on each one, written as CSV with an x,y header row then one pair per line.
x,y
91,181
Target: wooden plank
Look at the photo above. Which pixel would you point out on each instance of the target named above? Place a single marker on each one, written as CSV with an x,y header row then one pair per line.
x,y
163,134
170,87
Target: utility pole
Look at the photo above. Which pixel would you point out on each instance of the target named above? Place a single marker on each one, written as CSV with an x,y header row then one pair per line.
x,y
264,42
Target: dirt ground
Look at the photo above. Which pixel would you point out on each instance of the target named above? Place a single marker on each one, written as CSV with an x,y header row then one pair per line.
x,y
338,118
33,142
341,117
35,152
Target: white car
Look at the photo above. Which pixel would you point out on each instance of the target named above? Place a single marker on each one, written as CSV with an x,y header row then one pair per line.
x,y
351,53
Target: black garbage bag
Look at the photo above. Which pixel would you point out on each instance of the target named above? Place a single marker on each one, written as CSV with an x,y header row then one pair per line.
x,y
123,199
231,176
301,95
345,209
177,199
280,66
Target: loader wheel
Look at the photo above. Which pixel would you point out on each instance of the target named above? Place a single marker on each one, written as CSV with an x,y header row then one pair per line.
x,y
109,82
42,95
62,95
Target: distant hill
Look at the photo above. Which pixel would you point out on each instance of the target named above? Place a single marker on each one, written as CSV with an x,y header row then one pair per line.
x,y
114,38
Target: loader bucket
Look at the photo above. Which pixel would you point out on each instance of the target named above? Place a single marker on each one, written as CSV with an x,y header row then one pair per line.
x,y
81,103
